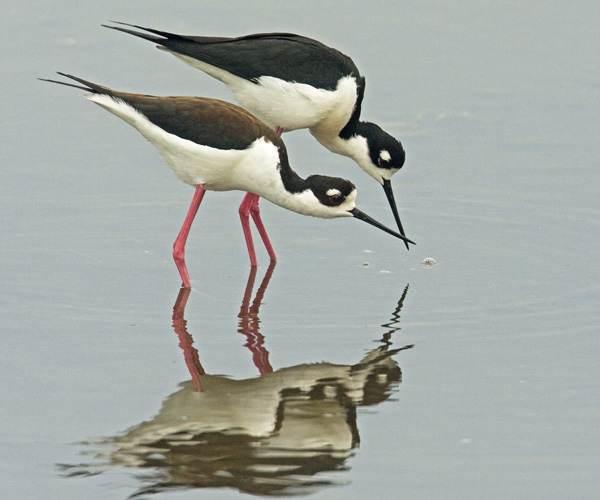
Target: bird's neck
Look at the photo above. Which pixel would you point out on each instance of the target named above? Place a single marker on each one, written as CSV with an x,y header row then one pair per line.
x,y
292,182
295,195
264,170
351,142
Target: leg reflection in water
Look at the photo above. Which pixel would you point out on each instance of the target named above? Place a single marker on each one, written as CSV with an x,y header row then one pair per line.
x,y
249,322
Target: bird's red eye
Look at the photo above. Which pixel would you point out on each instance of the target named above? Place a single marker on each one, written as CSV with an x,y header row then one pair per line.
x,y
335,198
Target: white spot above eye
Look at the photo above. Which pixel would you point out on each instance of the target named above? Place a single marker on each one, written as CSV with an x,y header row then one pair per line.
x,y
333,192
385,155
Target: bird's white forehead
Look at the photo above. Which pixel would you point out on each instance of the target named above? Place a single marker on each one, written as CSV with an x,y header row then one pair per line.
x,y
333,192
385,155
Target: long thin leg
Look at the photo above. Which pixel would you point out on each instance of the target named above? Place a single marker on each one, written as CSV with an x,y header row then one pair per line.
x,y
255,212
244,212
249,206
179,245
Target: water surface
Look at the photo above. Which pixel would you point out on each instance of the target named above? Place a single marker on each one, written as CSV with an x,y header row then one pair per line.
x,y
497,107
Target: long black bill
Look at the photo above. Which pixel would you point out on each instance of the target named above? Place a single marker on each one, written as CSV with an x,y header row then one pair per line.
x,y
369,220
387,187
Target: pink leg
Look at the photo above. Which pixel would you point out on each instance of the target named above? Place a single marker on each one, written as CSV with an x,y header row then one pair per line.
x,y
278,130
249,206
244,211
255,212
179,245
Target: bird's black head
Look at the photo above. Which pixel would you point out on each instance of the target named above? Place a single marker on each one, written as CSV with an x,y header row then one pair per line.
x,y
334,197
381,156
331,191
386,152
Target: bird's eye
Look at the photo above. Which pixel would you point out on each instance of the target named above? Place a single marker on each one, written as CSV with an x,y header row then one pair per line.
x,y
385,159
335,199
383,163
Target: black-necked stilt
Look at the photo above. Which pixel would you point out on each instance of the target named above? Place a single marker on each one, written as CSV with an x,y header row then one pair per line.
x,y
291,82
217,146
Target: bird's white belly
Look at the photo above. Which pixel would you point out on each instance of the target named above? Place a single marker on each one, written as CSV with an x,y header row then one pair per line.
x,y
293,106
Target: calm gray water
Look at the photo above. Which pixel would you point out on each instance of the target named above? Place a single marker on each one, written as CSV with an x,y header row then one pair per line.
x,y
497,105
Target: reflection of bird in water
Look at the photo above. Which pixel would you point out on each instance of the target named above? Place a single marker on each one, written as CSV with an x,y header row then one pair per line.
x,y
265,435
217,146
